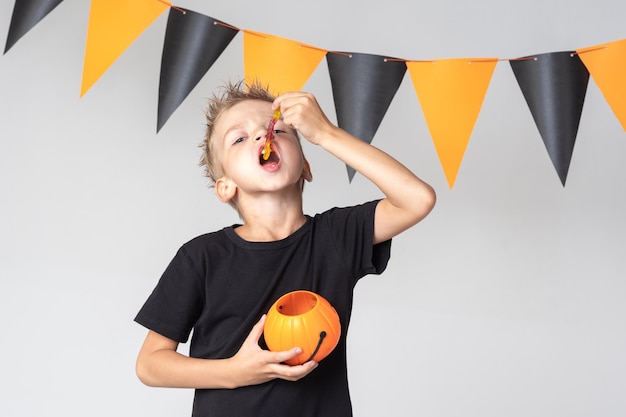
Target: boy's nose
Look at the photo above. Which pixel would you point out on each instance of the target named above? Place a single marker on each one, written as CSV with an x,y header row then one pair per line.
x,y
260,134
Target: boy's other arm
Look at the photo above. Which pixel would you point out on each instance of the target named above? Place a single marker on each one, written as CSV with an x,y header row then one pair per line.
x,y
408,199
160,365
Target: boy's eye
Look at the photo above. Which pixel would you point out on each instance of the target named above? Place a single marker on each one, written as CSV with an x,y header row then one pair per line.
x,y
238,140
276,131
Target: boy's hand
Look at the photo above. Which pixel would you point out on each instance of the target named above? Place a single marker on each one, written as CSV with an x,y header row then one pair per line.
x,y
253,365
407,200
302,112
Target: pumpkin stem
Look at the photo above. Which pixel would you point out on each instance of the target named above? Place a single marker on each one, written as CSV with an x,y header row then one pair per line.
x,y
319,345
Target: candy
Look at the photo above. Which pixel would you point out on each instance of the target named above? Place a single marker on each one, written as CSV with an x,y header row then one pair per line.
x,y
270,135
267,150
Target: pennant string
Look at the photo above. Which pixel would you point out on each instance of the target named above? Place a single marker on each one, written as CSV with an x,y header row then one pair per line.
x,y
433,61
584,51
227,26
479,60
315,48
340,53
528,58
469,61
178,9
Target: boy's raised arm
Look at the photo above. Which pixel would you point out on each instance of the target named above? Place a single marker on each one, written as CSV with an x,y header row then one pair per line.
x,y
407,198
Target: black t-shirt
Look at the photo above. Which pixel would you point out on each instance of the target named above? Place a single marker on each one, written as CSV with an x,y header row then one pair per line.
x,y
219,285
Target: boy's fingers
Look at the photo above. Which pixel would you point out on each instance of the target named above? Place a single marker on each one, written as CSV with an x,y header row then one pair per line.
x,y
285,355
295,372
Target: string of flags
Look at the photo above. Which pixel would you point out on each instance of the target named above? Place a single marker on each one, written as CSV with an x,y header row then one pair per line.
x,y
554,84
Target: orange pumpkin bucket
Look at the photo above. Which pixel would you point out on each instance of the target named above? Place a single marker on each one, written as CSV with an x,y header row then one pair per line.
x,y
302,319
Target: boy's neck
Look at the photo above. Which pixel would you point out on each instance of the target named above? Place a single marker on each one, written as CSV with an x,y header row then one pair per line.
x,y
270,216
270,228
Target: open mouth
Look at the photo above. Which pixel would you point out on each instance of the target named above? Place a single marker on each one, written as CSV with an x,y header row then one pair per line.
x,y
272,159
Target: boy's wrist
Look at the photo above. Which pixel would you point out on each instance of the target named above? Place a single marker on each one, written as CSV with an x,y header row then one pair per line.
x,y
227,373
329,135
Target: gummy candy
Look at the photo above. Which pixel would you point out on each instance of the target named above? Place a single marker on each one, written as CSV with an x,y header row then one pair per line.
x,y
270,135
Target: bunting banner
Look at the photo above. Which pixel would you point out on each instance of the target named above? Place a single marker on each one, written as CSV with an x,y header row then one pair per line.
x,y
450,91
363,87
607,65
193,42
554,86
281,64
113,26
26,14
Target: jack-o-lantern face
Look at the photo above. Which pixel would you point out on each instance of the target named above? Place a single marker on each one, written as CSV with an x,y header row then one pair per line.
x,y
302,319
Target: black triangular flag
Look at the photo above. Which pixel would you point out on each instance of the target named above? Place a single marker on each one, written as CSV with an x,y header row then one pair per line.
x,y
363,86
26,14
193,42
554,86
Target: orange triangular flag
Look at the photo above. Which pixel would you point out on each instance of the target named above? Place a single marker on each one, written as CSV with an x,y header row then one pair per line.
x,y
451,93
282,64
113,26
607,65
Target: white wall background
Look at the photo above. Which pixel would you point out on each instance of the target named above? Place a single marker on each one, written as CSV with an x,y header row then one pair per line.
x,y
507,301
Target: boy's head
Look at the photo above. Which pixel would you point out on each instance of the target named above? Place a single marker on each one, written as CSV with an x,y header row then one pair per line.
x,y
232,94
229,95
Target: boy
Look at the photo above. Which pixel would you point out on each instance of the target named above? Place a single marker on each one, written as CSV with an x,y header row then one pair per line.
x,y
221,284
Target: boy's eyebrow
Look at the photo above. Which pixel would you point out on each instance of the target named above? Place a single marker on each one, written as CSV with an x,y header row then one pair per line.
x,y
230,129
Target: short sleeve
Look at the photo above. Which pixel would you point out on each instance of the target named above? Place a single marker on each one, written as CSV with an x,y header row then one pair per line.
x,y
352,231
175,304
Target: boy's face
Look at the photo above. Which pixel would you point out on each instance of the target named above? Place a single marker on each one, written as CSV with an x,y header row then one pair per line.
x,y
240,133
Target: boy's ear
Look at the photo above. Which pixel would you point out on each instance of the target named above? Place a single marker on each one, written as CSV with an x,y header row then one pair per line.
x,y
225,189
307,175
